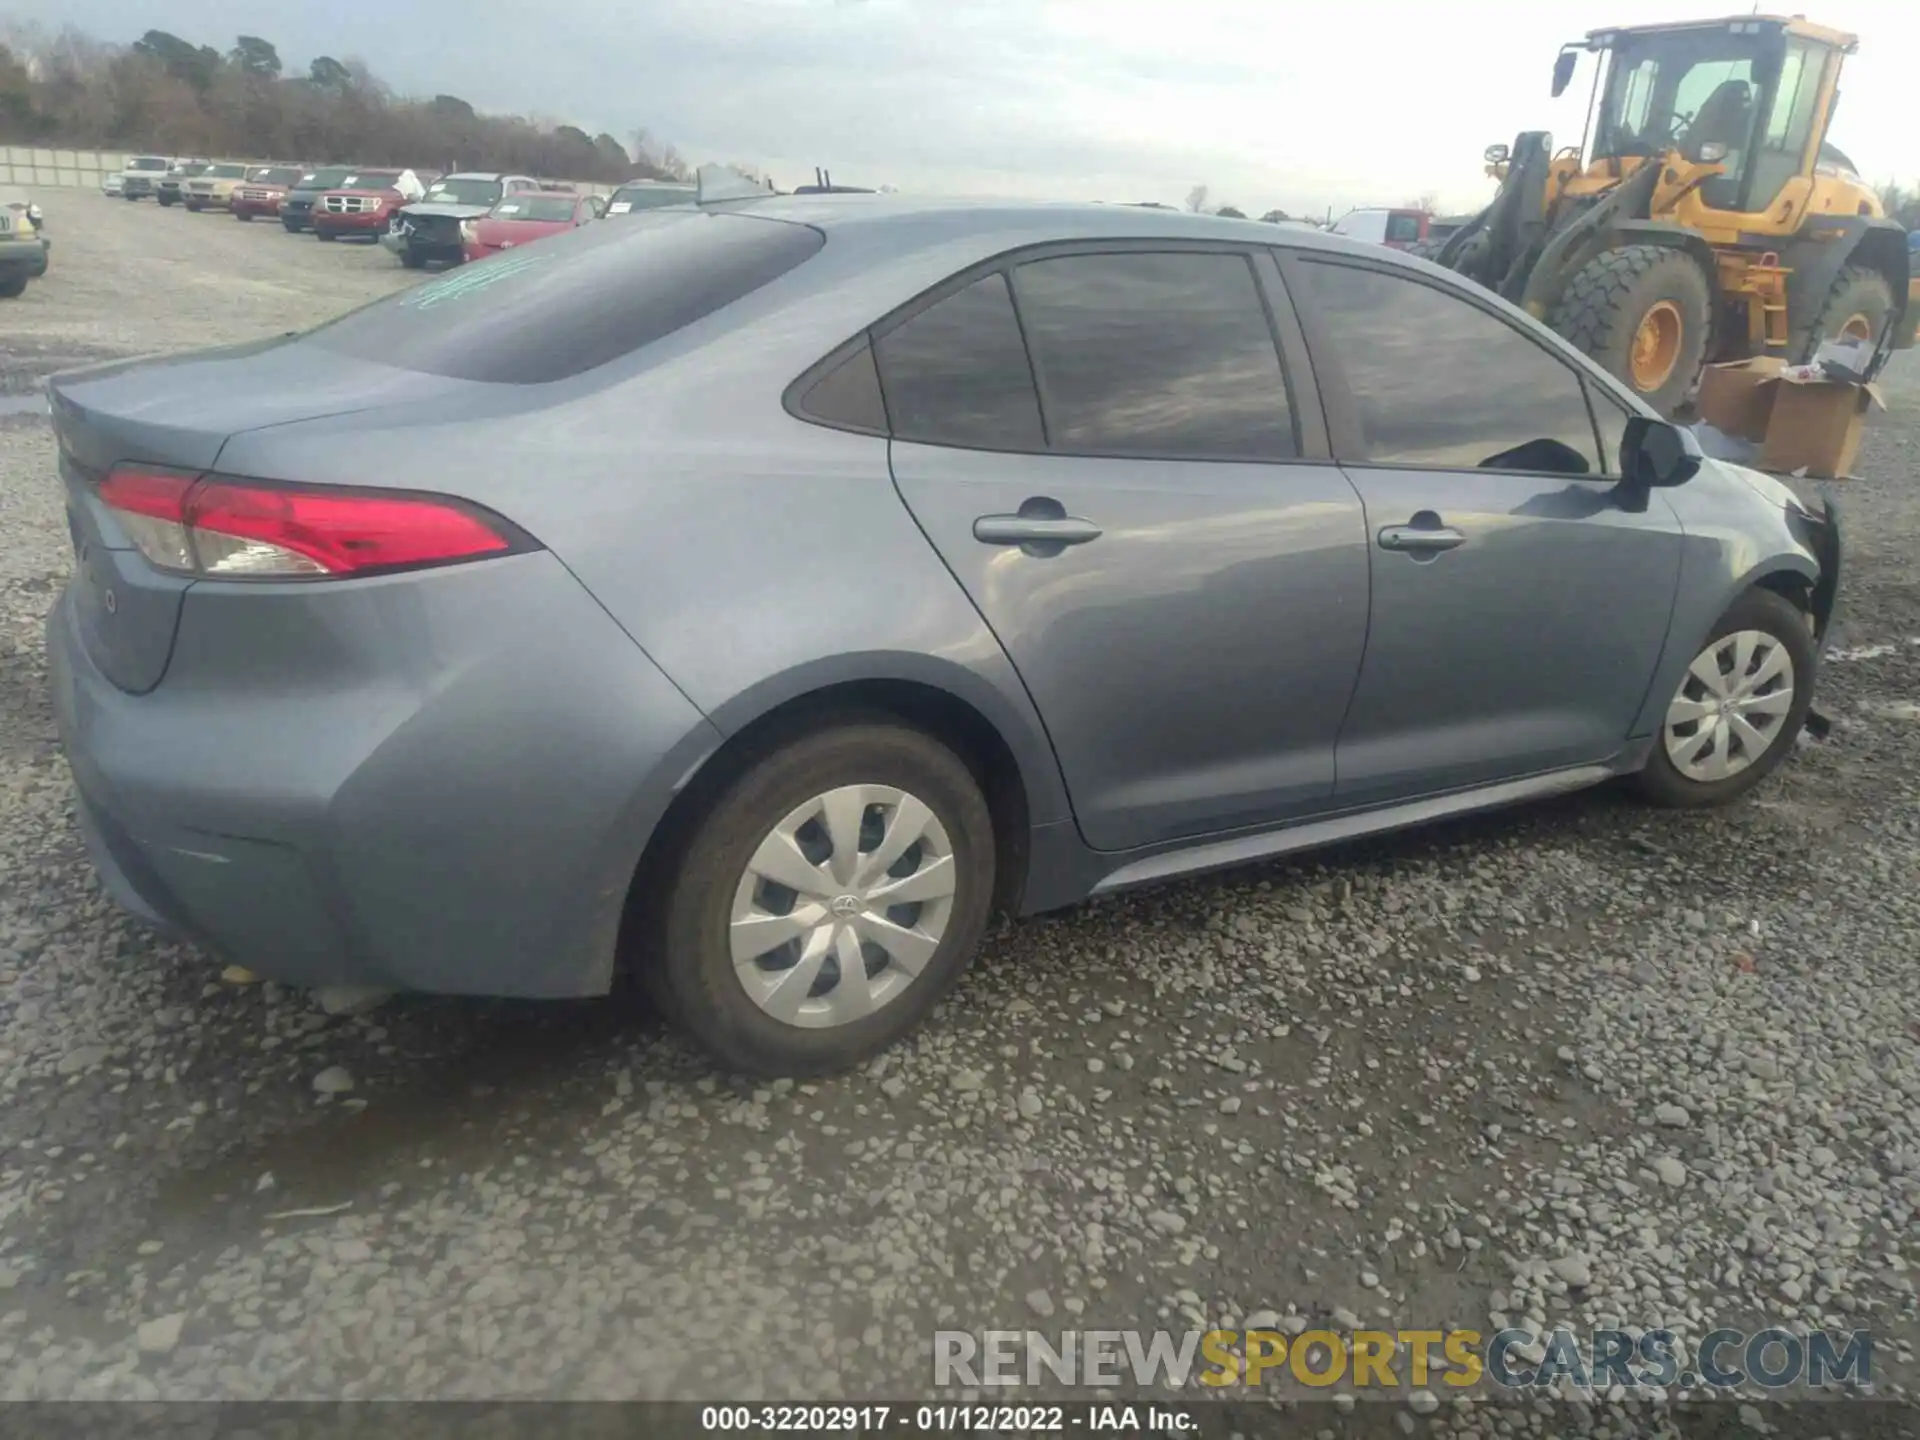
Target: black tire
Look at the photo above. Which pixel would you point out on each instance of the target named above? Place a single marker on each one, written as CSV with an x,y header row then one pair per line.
x,y
292,227
1602,307
1762,610
324,236
1857,290
412,259
13,289
244,216
130,199
690,971
165,203
193,208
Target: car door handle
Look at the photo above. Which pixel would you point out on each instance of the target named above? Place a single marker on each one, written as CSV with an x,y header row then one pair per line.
x,y
1420,540
1034,530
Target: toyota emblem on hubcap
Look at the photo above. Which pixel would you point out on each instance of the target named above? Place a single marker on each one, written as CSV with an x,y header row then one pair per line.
x,y
846,906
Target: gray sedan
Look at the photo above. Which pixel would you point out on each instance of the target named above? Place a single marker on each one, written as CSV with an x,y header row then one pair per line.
x,y
758,595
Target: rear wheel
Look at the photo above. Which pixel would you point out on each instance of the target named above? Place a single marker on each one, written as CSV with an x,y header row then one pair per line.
x,y
13,289
1645,312
1857,305
826,901
1738,708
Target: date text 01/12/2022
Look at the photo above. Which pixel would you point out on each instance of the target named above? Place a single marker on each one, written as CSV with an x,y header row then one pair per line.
x,y
943,1419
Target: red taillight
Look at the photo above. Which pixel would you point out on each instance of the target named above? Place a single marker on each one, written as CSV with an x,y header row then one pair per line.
x,y
215,527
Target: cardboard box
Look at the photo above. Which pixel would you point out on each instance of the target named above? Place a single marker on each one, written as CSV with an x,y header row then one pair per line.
x,y
1737,399
1800,420
1815,425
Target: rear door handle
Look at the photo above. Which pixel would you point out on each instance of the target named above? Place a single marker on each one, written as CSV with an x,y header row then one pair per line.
x,y
1034,530
1419,540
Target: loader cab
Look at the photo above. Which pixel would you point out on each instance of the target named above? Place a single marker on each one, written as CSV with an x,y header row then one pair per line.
x,y
1750,96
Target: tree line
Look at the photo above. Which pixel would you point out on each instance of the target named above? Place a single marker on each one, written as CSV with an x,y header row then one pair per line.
x,y
167,95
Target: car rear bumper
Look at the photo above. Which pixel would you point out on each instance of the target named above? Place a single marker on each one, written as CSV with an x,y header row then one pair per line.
x,y
464,819
23,257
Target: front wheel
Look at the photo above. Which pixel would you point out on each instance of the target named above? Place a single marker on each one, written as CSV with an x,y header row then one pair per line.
x,y
412,259
243,215
13,289
1645,313
1739,706
826,901
324,235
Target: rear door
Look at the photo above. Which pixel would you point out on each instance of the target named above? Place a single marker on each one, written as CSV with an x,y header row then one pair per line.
x,y
1105,448
1519,607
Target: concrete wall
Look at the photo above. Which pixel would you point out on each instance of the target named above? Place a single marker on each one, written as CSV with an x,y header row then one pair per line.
x,y
23,165
27,167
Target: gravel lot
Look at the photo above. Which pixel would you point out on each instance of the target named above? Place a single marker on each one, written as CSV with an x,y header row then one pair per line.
x,y
1578,1063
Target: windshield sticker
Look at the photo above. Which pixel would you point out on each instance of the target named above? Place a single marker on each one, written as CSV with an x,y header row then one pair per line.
x,y
620,207
509,210
470,279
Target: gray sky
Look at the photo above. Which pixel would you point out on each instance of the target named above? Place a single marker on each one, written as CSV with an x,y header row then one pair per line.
x,y
1357,102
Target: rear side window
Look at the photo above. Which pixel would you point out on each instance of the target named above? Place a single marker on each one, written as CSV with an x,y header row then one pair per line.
x,y
957,374
575,301
1155,354
1403,227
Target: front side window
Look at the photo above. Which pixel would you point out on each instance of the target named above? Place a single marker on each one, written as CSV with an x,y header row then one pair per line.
x,y
1440,383
1166,354
956,373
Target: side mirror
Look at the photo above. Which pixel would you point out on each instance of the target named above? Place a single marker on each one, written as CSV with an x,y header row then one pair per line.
x,y
1655,455
1497,154
1563,71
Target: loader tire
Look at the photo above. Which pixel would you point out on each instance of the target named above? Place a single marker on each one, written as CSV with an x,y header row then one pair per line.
x,y
1859,303
1645,313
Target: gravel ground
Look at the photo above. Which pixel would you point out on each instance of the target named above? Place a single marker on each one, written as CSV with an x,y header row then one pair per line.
x,y
1578,1063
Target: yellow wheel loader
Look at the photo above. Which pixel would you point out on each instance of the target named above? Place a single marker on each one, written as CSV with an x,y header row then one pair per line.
x,y
1704,217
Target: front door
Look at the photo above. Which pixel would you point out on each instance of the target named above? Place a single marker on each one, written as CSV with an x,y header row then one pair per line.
x,y
1519,608
1182,591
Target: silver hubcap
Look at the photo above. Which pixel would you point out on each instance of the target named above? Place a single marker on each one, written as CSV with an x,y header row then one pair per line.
x,y
1731,706
842,905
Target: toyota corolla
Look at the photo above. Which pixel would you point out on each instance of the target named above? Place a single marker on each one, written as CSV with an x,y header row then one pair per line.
x,y
762,593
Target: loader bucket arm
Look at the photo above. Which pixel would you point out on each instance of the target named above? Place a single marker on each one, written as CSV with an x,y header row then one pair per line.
x,y
1487,247
1580,239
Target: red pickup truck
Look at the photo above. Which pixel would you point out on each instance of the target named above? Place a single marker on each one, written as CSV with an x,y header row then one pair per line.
x,y
366,208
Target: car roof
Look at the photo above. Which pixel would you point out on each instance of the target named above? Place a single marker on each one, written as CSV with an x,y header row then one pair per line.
x,y
911,222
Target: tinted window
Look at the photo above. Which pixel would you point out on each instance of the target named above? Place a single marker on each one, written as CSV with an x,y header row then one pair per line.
x,y
957,373
1403,227
848,395
1440,382
1165,354
577,300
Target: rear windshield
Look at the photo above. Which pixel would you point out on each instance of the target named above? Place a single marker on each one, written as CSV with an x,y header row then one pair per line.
x,y
1403,227
574,301
535,207
146,162
464,192
646,197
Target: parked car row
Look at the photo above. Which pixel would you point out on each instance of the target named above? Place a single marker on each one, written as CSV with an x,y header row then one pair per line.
x,y
421,219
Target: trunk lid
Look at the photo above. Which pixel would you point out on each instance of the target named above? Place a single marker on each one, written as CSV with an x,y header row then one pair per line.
x,y
178,413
